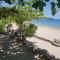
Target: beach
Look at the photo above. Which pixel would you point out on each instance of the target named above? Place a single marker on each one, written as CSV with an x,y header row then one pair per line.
x,y
48,33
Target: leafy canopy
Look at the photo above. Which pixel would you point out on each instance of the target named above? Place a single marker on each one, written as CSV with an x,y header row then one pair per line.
x,y
20,16
38,4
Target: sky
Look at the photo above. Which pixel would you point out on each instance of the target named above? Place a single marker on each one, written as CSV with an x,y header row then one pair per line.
x,y
47,10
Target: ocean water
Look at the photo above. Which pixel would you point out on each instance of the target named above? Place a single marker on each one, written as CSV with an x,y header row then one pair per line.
x,y
47,22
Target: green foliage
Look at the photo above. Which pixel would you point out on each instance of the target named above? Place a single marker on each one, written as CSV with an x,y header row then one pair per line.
x,y
2,23
28,3
21,2
25,13
39,5
53,8
29,30
58,4
47,0
22,14
35,5
5,12
9,1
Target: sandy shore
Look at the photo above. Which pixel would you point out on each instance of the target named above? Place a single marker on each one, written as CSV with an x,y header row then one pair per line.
x,y
48,33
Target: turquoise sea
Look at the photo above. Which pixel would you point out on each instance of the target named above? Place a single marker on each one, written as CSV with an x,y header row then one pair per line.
x,y
47,22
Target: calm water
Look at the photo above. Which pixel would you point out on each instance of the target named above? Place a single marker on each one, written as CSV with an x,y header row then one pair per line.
x,y
47,22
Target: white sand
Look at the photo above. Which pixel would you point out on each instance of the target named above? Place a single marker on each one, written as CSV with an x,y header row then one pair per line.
x,y
48,33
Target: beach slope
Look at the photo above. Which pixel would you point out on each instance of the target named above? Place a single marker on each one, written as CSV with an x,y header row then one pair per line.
x,y
49,34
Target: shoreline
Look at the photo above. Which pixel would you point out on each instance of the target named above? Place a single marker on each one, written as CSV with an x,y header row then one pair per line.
x,y
47,26
48,33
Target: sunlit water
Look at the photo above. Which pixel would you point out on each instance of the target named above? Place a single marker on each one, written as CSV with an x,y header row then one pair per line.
x,y
48,22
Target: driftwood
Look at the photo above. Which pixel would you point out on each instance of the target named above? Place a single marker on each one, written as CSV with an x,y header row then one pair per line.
x,y
55,43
